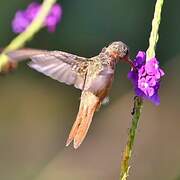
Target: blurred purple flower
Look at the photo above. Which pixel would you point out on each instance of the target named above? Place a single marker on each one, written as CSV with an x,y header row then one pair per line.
x,y
53,18
23,18
31,11
20,22
146,80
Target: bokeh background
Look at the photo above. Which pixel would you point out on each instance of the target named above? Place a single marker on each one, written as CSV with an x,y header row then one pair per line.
x,y
36,112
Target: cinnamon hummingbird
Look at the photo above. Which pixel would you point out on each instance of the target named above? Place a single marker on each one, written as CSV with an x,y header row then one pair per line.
x,y
93,76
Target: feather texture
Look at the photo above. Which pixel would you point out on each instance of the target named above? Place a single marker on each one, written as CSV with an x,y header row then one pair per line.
x,y
64,67
23,54
88,105
61,66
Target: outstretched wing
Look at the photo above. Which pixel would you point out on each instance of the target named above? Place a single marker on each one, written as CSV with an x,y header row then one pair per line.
x,y
23,54
61,66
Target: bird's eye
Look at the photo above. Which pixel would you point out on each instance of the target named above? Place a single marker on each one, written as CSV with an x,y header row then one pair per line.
x,y
126,52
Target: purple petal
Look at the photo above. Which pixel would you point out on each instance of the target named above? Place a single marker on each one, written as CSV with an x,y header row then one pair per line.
x,y
20,22
33,5
142,83
146,85
140,59
138,92
53,18
141,71
57,10
157,75
23,18
133,76
152,66
150,91
32,10
151,80
155,99
161,72
141,55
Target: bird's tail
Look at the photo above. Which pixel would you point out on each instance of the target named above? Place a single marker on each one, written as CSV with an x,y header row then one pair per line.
x,y
88,105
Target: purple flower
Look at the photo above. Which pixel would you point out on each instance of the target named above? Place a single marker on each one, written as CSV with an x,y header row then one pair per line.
x,y
20,22
146,80
53,18
152,68
32,10
23,18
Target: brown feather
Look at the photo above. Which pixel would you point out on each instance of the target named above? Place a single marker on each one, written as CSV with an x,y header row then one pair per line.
x,y
88,105
61,66
23,54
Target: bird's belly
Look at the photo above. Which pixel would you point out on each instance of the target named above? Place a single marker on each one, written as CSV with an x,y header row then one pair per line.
x,y
100,85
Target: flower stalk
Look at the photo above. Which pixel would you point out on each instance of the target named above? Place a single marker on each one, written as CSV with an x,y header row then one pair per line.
x,y
138,101
154,36
20,40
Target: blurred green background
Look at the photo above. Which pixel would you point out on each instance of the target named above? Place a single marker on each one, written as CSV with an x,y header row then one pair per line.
x,y
36,112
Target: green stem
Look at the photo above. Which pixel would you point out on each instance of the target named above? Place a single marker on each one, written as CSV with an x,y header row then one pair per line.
x,y
20,40
153,39
138,101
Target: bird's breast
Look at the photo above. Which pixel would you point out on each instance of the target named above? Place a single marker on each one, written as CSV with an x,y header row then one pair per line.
x,y
100,83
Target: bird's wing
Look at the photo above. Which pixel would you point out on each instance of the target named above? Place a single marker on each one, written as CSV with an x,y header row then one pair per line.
x,y
61,66
23,54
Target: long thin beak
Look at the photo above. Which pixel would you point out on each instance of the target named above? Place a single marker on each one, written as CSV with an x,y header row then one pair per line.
x,y
128,60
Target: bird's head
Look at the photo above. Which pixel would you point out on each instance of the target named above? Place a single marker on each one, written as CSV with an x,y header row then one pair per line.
x,y
119,51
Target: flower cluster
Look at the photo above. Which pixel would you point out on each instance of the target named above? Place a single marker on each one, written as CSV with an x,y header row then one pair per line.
x,y
146,80
23,18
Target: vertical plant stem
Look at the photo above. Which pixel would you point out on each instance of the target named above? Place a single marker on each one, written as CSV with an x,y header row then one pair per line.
x,y
153,39
20,40
138,101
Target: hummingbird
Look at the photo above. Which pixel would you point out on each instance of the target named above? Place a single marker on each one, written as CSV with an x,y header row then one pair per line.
x,y
93,76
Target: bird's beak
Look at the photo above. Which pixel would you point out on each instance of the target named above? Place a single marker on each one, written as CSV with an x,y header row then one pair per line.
x,y
129,61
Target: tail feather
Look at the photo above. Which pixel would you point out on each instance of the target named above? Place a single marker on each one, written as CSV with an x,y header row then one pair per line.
x,y
88,106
